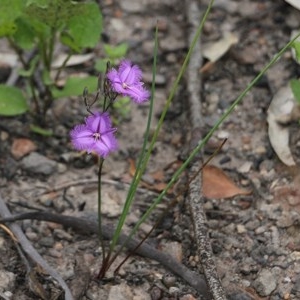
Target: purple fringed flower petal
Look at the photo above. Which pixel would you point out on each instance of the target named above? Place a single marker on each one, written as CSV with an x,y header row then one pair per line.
x,y
117,84
108,144
129,74
98,122
95,135
138,93
113,76
127,82
81,137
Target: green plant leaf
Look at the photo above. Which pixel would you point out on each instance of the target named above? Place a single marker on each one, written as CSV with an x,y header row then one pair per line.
x,y
85,27
67,40
24,35
75,86
40,29
101,64
41,131
47,78
39,3
12,101
10,10
295,85
32,66
53,13
296,46
118,51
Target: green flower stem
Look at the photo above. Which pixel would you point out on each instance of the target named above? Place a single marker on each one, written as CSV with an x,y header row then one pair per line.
x,y
43,51
37,107
207,137
62,66
101,161
51,49
18,52
51,44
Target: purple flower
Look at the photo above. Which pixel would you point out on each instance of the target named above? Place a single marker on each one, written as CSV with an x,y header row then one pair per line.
x,y
127,81
95,135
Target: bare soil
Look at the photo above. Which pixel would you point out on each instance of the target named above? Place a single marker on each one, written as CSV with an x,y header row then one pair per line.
x,y
255,238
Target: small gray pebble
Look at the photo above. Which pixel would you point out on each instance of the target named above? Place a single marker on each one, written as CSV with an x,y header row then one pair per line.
x,y
38,164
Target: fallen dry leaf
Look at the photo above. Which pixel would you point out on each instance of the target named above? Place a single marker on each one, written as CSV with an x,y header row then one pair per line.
x,y
8,59
158,175
214,51
132,167
22,147
217,185
158,187
294,3
76,59
280,113
155,187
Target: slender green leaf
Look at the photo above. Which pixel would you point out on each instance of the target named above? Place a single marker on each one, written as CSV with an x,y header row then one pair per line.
x,y
295,85
75,86
12,101
143,157
203,142
296,46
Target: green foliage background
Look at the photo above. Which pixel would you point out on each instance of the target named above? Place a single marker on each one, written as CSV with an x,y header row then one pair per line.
x,y
40,24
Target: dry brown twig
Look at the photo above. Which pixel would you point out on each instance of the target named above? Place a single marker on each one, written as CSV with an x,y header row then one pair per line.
x,y
93,183
195,195
31,252
89,225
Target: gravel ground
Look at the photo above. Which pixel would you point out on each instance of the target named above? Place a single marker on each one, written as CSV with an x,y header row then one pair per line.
x,y
254,238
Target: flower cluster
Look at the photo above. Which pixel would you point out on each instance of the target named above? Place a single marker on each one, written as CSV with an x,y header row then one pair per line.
x,y
127,82
97,134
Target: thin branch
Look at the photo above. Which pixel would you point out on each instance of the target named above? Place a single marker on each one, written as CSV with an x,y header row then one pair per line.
x,y
30,250
84,181
195,194
89,225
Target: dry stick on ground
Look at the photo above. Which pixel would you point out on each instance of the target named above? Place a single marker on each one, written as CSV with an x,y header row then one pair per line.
x,y
195,194
84,181
89,225
31,252
34,285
